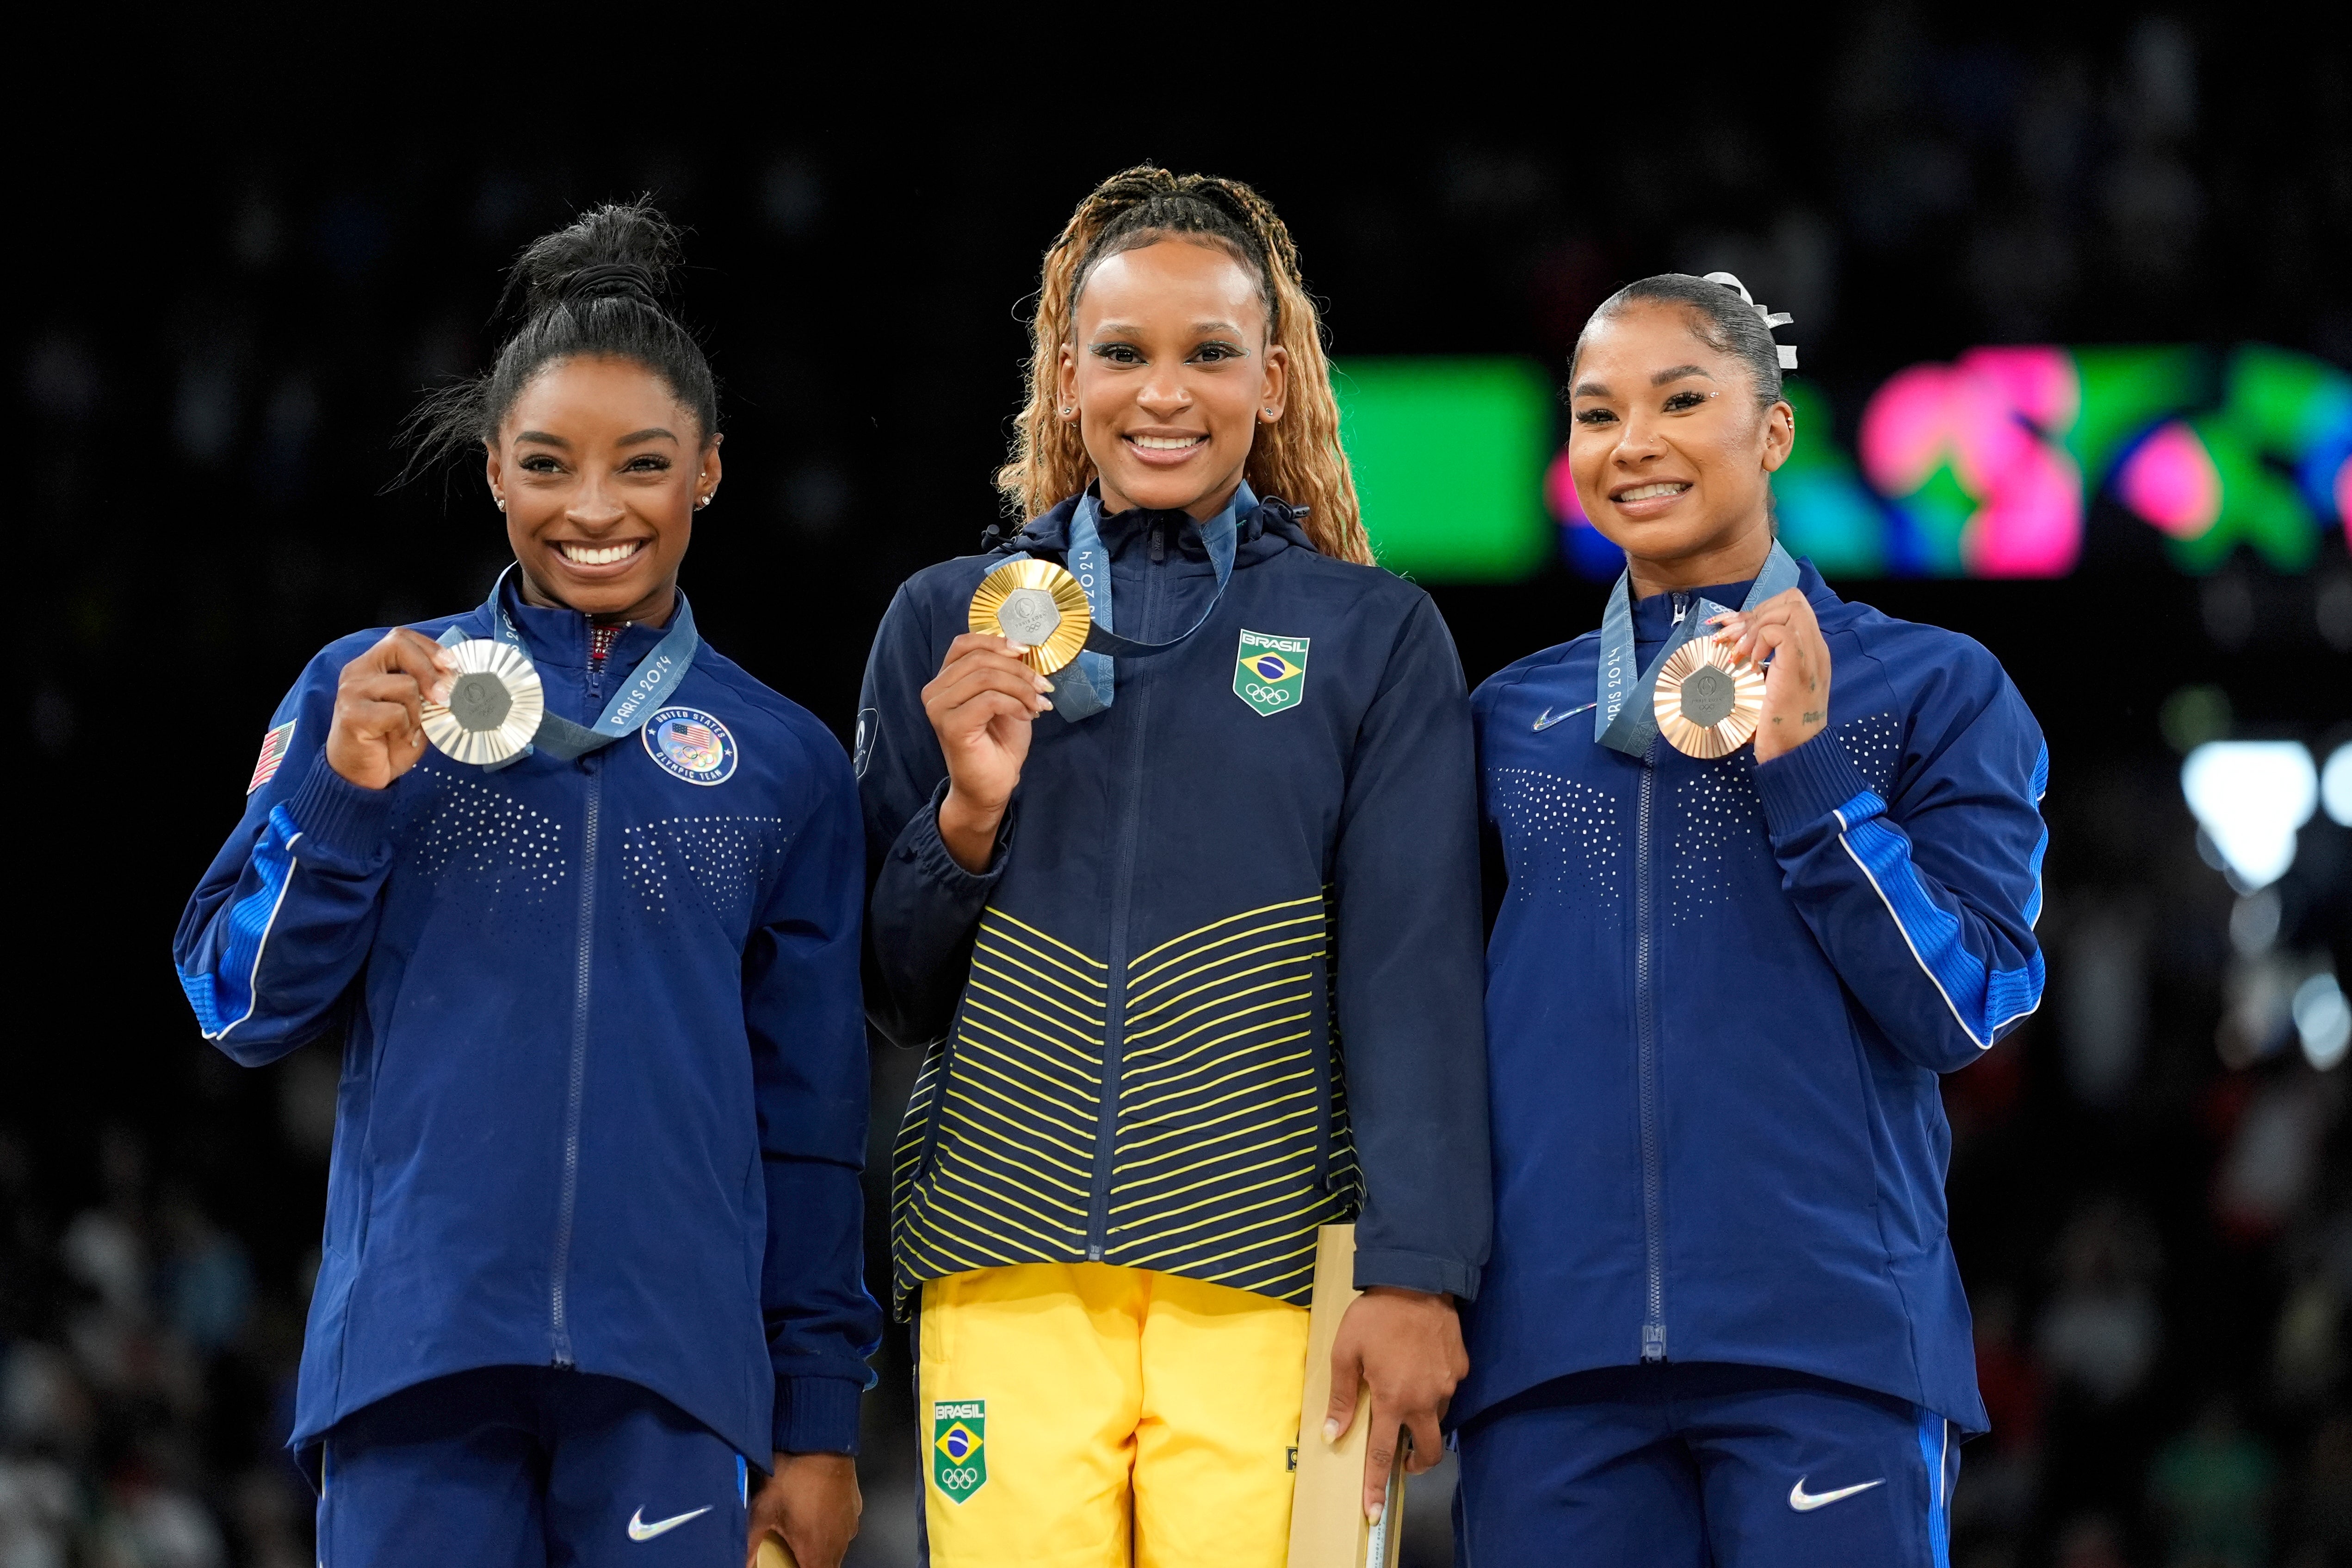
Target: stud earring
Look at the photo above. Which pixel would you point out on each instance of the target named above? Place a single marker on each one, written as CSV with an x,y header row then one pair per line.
x,y
700,502
1069,411
502,502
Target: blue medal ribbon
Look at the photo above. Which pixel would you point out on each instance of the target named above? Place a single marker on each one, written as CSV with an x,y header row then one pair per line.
x,y
1624,715
656,675
1096,688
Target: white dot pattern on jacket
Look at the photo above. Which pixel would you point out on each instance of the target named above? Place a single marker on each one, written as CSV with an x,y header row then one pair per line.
x,y
723,861
1561,836
1717,815
479,832
1873,743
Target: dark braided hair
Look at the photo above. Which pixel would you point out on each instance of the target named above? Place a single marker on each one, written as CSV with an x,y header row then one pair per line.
x,y
1722,319
598,288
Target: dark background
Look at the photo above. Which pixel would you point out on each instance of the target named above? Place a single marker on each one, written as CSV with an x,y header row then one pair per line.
x,y
243,270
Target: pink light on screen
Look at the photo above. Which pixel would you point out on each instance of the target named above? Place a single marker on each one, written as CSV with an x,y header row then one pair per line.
x,y
1902,435
1560,492
2169,479
1989,417
2344,498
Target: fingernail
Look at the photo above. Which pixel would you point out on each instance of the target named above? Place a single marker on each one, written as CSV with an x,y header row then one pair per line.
x,y
1043,684
441,690
1330,1431
1373,1512
1015,649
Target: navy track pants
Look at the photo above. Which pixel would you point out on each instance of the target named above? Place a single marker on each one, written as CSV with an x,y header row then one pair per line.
x,y
1704,1465
527,1467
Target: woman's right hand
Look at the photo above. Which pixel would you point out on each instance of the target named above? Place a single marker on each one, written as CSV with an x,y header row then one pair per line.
x,y
378,731
980,705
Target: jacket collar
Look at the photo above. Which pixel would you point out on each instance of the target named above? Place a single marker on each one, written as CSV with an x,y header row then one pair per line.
x,y
560,637
1272,526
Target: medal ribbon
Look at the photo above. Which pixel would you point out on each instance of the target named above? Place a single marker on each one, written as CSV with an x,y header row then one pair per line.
x,y
657,674
1625,714
1095,688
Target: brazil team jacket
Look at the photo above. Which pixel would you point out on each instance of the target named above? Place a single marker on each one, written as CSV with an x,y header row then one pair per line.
x,y
603,1091
1719,994
1221,983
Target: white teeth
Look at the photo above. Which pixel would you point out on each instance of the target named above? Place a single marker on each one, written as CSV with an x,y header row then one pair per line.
x,y
1644,492
1166,443
598,555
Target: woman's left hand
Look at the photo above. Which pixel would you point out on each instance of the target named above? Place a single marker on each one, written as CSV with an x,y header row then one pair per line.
x,y
810,1503
1796,681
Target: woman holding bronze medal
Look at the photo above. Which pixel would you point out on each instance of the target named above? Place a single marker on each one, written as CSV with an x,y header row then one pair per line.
x,y
1170,799
582,898
1769,863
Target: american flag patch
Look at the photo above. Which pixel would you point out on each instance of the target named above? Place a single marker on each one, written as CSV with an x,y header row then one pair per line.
x,y
273,752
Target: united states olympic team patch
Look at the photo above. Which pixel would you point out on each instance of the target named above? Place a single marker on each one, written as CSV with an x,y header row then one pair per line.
x,y
690,744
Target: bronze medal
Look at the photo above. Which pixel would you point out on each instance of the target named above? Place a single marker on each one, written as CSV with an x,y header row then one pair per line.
x,y
1708,707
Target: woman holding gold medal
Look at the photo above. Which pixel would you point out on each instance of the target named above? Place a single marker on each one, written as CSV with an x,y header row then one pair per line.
x,y
1171,805
1770,862
582,898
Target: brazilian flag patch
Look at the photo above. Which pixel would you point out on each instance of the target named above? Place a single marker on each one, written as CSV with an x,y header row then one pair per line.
x,y
959,1447
1270,672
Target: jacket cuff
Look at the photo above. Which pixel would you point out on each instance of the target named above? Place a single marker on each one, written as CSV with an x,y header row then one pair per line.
x,y
340,818
1800,787
921,845
816,1414
1417,1271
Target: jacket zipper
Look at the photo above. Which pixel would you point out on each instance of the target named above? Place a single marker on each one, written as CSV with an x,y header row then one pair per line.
x,y
1122,899
1645,1024
559,1321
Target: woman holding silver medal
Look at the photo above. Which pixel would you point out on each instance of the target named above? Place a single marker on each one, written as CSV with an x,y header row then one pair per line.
x,y
1768,863
582,898
1177,886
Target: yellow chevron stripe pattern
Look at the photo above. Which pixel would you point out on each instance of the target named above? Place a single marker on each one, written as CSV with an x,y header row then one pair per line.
x,y
1218,1168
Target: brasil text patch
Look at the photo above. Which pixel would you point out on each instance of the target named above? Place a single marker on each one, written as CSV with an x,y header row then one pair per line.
x,y
959,1447
1270,672
690,744
273,754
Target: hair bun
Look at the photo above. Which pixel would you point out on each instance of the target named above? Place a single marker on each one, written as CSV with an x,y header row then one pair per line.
x,y
619,250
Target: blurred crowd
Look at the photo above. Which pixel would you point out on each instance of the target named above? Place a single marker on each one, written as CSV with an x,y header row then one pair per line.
x,y
2151,1180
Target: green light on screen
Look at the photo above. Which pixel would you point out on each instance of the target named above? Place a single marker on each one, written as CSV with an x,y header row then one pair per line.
x,y
1449,456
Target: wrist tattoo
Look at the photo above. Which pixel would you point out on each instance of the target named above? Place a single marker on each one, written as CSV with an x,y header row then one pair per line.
x,y
1810,718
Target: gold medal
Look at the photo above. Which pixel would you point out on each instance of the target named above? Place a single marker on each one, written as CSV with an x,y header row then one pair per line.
x,y
1036,603
495,704
1706,707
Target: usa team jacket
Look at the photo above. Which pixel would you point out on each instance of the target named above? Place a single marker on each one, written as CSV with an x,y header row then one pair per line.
x,y
1220,984
1719,994
603,1092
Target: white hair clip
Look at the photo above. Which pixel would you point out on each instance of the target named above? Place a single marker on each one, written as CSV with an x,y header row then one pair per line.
x,y
1770,318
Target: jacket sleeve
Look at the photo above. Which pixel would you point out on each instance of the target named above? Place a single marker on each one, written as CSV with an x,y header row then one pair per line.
x,y
923,908
1926,904
807,1031
283,920
1411,974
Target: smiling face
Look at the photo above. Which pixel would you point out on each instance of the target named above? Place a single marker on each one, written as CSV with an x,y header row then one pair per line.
x,y
1671,453
600,467
1171,375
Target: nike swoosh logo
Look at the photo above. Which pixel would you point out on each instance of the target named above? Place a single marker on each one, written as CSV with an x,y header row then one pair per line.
x,y
640,1531
1805,1501
1550,718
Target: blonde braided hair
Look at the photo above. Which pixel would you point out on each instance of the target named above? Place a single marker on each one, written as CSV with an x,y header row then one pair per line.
x,y
1297,457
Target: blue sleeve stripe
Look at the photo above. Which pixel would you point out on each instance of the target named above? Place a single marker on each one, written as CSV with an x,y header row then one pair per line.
x,y
224,996
1992,1000
2040,845
1936,1454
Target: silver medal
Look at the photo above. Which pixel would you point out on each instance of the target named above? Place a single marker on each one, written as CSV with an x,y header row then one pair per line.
x,y
495,704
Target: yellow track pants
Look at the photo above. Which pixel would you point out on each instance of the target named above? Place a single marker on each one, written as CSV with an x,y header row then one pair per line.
x,y
1085,1416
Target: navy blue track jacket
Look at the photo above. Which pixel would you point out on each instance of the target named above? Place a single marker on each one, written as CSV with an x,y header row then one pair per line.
x,y
1719,994
1133,1055
603,1094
